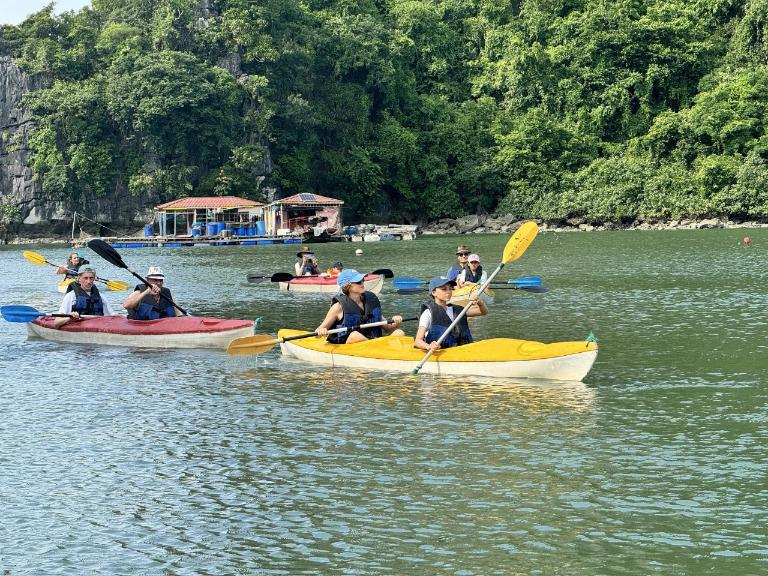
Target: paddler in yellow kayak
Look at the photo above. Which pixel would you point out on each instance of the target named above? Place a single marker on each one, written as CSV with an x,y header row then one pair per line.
x,y
72,267
462,253
473,273
83,299
437,315
354,306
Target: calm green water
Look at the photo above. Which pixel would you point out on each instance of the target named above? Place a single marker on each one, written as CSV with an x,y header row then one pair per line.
x,y
119,461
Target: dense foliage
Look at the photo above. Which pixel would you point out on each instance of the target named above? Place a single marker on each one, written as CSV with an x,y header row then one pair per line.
x,y
409,109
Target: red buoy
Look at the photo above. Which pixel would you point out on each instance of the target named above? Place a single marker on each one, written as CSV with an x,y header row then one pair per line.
x,y
747,240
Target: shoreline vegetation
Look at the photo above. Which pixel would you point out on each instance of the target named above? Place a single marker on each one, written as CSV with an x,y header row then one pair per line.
x,y
481,224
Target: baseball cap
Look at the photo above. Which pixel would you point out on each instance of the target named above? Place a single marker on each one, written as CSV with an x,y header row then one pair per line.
x,y
438,281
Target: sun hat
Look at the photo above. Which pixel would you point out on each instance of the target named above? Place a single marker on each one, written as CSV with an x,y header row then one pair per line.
x,y
338,266
84,270
155,273
304,250
473,258
348,276
438,281
462,248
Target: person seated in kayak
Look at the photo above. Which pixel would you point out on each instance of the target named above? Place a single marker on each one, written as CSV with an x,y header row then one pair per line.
x,y
437,315
306,263
336,269
153,301
72,267
473,273
354,306
83,299
462,254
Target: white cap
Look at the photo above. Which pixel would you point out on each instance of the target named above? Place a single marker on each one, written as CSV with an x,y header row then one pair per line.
x,y
155,273
358,251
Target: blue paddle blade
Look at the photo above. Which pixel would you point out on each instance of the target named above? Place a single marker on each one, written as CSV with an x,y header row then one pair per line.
x,y
407,283
526,281
20,313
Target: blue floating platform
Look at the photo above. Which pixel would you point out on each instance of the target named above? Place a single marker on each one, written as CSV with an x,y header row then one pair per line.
x,y
248,242
291,241
265,241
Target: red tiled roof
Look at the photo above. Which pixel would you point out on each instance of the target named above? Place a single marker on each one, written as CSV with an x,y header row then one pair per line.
x,y
306,198
226,202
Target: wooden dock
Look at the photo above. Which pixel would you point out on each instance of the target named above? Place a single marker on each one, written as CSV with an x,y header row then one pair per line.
x,y
181,241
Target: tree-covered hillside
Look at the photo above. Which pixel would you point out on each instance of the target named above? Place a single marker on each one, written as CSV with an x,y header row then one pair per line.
x,y
409,109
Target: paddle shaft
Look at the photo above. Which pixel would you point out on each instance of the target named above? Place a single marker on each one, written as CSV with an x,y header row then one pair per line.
x,y
345,329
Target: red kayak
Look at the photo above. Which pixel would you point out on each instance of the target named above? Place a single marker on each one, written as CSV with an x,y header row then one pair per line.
x,y
327,284
177,332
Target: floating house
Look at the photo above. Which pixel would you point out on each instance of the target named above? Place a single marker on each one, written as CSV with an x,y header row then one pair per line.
x,y
208,216
306,214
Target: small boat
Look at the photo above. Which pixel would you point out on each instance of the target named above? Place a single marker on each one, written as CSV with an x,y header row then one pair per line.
x,y
177,332
62,285
327,284
496,357
461,295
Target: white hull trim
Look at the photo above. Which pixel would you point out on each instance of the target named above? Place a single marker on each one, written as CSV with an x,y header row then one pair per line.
x,y
573,367
219,340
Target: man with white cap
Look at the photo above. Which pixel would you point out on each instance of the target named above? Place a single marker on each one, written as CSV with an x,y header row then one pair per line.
x,y
473,273
83,299
153,301
352,307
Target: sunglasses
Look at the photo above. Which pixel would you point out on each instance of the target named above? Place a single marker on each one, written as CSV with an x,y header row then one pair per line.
x,y
465,254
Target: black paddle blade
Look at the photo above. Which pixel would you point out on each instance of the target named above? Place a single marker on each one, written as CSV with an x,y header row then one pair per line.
x,y
281,277
386,272
255,279
107,252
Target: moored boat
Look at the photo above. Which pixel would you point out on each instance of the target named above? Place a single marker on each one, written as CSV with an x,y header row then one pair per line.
x,y
175,332
496,357
461,295
327,284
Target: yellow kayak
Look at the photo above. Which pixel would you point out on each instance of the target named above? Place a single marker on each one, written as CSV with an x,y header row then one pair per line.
x,y
496,357
461,295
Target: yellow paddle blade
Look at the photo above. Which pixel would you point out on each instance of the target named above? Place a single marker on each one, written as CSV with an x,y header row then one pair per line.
x,y
520,241
252,345
34,257
116,285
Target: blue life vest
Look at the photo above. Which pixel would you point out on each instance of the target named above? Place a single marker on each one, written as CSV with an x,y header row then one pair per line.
x,y
151,309
354,316
454,272
460,334
474,278
87,305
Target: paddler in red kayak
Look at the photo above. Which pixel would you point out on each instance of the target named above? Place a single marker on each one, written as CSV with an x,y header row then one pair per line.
x,y
437,315
354,306
146,304
83,299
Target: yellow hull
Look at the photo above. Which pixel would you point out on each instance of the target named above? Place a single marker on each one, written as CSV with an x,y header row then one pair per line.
x,y
496,357
461,295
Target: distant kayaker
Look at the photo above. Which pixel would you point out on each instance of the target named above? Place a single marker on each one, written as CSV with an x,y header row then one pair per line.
x,y
83,299
437,315
473,273
336,269
462,253
146,302
354,306
306,263
72,267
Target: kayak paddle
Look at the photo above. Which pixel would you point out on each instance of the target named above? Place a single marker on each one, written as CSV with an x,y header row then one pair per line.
x,y
36,258
286,277
532,289
28,314
113,257
259,344
409,284
256,279
515,247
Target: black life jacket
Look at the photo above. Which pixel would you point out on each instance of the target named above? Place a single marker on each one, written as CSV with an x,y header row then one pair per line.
x,y
354,316
85,304
151,309
474,278
460,334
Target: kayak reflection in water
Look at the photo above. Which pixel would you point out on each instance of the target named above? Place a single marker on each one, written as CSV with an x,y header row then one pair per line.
x,y
83,299
437,315
72,267
153,301
354,306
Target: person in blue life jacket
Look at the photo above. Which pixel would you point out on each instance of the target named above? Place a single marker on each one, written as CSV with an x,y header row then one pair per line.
x,y
473,273
462,255
353,306
153,301
306,263
73,265
83,299
437,315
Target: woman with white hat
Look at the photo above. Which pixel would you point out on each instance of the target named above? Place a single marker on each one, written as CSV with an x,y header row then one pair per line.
x,y
473,273
153,301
